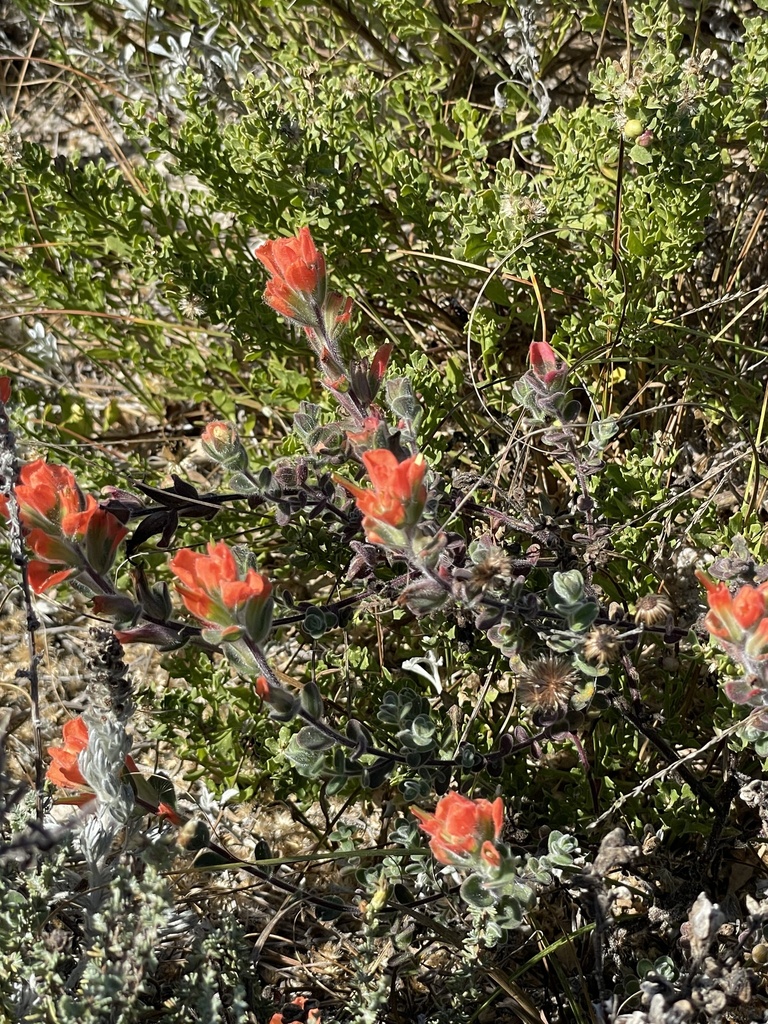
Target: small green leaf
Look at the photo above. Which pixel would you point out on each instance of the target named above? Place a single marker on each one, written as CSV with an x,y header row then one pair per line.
x,y
475,894
641,155
311,738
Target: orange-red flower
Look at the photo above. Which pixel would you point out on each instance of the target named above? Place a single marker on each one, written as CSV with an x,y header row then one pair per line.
x,y
47,495
740,620
65,529
216,591
5,390
460,828
296,288
732,617
64,770
397,496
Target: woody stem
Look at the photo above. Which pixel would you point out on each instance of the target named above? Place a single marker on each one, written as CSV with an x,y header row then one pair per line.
x,y
345,741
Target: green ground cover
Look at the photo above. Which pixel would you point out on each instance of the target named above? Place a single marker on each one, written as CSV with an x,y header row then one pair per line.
x,y
489,184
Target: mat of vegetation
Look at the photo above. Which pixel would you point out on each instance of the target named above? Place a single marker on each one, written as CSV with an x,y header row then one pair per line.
x,y
383,479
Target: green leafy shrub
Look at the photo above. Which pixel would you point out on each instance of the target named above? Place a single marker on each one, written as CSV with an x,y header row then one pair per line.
x,y
484,181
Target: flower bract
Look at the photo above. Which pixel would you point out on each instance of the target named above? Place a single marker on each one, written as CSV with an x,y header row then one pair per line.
x,y
216,591
460,828
65,529
395,499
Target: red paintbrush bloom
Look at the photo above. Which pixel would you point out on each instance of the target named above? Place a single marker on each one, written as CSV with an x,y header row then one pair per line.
x,y
296,288
47,494
733,617
397,496
64,770
739,621
463,829
65,529
215,591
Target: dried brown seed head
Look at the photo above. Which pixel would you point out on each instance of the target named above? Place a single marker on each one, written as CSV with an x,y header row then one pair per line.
x,y
602,645
547,684
652,610
494,565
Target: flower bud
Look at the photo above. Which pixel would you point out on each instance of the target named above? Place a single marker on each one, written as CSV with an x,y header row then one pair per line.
x,y
546,367
423,596
117,606
162,637
102,538
282,702
155,599
222,444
